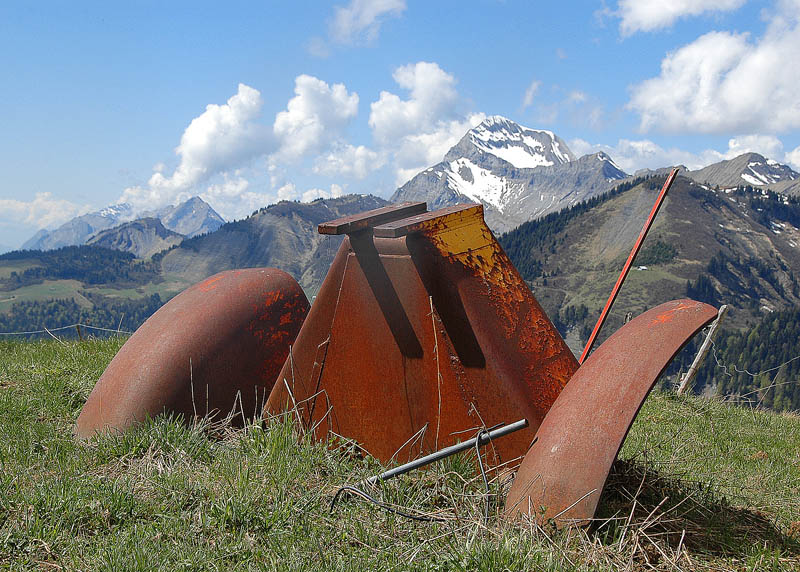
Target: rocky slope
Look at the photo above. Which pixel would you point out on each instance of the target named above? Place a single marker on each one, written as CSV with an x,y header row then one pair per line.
x,y
735,247
143,237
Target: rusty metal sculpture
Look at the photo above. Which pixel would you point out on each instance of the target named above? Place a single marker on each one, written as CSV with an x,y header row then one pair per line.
x,y
422,331
216,346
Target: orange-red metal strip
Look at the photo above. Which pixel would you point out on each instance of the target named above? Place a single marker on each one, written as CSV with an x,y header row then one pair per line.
x,y
627,267
565,470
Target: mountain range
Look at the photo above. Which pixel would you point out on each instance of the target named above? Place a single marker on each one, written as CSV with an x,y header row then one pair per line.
x,y
190,218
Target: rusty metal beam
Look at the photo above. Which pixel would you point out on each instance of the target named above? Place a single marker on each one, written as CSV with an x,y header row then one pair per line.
x,y
361,221
565,470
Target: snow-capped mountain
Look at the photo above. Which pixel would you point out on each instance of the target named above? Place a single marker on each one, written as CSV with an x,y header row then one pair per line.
x,y
189,218
517,173
79,229
749,169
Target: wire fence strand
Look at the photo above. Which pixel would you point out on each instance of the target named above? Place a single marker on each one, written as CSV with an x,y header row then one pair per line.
x,y
60,328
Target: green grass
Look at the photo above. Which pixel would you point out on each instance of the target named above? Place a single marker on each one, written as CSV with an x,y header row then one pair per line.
x,y
47,290
205,496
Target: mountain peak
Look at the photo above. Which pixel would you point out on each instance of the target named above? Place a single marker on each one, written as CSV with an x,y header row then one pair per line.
x,y
749,169
512,143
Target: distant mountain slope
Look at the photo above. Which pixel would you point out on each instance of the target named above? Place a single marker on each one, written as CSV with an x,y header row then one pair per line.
x,y
283,235
749,169
516,172
737,247
79,229
142,237
189,218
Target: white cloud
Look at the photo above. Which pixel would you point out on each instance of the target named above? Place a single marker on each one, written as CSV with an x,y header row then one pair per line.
x,y
649,15
645,154
311,194
43,211
433,97
361,20
530,93
793,158
417,132
350,161
724,82
221,138
313,119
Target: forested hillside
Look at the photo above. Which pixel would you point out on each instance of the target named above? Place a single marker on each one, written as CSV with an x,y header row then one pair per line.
x,y
89,264
721,246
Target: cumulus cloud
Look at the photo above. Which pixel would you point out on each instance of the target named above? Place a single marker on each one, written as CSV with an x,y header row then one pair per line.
x,y
313,119
218,140
433,97
726,82
633,155
350,161
649,15
43,211
360,20
416,132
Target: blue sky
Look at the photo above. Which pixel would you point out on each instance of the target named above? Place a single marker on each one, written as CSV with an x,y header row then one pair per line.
x,y
248,103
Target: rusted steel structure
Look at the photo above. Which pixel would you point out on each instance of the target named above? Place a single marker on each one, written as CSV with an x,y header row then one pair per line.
x,y
215,348
422,333
422,330
564,472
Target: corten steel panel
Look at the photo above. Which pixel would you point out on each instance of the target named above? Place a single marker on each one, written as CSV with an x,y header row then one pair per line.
x,y
225,337
565,471
367,369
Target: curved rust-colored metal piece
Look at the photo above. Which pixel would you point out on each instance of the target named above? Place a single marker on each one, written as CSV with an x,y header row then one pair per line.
x,y
565,470
220,341
423,327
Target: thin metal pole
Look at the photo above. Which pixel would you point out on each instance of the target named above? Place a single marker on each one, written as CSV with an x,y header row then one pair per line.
x,y
627,267
447,451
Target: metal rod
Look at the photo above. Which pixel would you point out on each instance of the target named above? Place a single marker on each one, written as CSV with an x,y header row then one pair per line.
x,y
627,267
448,451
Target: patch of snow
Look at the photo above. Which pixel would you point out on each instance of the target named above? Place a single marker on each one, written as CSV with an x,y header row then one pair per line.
x,y
753,180
485,186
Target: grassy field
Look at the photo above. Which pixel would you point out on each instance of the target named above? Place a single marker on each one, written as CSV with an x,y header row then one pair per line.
x,y
47,290
701,486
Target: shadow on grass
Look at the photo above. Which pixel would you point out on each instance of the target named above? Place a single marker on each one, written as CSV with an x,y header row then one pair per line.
x,y
680,513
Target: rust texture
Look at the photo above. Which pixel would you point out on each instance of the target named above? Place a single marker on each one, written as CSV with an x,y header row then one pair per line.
x,y
215,348
422,331
564,472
